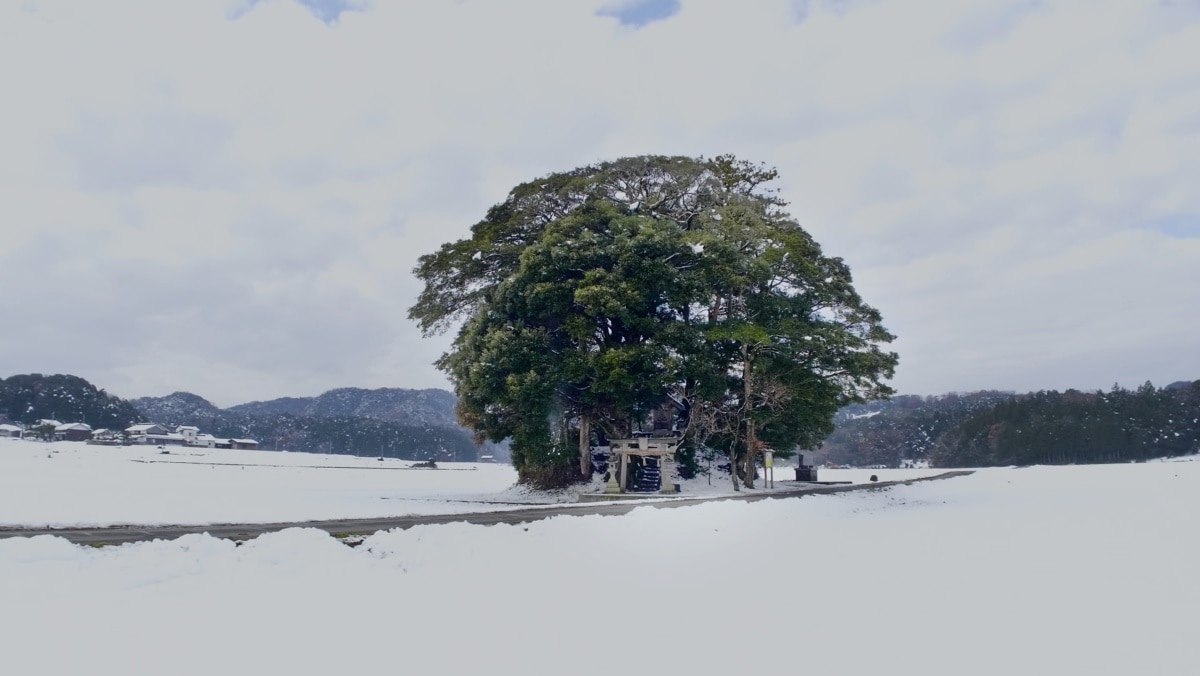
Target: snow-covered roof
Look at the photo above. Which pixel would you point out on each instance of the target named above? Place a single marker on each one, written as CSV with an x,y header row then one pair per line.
x,y
141,427
73,426
9,428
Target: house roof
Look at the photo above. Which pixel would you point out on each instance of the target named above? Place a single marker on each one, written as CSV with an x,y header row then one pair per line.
x,y
9,428
142,427
73,426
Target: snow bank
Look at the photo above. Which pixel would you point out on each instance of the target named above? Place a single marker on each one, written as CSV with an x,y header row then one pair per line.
x,y
1067,570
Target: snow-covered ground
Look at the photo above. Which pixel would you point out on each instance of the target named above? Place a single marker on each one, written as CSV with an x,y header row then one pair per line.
x,y
76,484
1044,570
64,484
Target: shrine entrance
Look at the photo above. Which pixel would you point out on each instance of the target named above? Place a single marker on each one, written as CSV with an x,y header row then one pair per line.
x,y
660,449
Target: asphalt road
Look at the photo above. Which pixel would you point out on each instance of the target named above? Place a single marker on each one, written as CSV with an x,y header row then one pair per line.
x,y
113,535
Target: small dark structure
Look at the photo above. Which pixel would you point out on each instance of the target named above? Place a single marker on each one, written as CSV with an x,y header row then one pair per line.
x,y
804,472
648,477
73,432
235,444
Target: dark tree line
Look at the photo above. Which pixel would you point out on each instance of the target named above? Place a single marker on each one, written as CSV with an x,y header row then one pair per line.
x,y
32,397
1047,427
341,435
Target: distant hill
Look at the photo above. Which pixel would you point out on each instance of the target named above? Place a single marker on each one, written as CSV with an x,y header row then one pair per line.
x,y
410,424
66,398
393,422
432,406
175,406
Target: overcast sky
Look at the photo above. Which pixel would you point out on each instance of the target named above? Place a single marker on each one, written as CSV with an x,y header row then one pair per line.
x,y
228,197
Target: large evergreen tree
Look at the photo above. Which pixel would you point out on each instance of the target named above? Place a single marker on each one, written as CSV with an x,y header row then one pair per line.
x,y
596,296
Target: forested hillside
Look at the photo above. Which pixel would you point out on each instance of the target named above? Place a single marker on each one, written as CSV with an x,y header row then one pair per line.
x,y
176,407
410,424
995,428
65,398
431,406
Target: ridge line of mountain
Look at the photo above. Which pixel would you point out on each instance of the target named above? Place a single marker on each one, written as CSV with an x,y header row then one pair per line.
x,y
391,422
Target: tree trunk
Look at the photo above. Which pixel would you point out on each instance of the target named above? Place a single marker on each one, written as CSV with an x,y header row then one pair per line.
x,y
748,467
748,406
733,464
748,470
585,447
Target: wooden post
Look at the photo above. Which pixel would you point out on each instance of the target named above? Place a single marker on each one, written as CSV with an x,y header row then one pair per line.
x,y
624,472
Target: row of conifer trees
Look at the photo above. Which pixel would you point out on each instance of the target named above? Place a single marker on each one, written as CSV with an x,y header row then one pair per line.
x,y
1047,427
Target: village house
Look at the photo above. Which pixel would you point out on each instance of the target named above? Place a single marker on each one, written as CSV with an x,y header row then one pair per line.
x,y
106,436
72,432
143,429
192,436
151,433
10,431
184,435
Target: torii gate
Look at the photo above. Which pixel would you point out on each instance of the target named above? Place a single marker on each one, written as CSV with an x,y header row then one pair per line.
x,y
618,459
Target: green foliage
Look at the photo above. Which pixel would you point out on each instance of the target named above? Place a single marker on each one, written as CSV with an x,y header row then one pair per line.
x,y
612,291
45,431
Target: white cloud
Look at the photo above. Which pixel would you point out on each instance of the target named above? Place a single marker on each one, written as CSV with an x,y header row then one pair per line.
x,y
233,205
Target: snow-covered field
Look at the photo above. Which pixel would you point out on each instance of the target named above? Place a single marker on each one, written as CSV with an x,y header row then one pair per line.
x,y
1043,570
64,484
76,484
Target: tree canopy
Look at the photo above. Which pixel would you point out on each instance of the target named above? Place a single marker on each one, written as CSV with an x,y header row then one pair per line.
x,y
28,398
597,300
